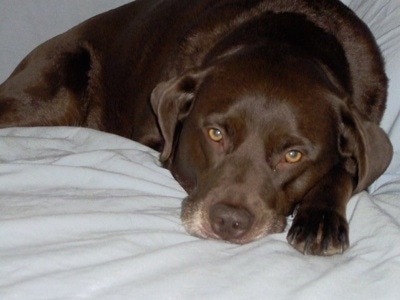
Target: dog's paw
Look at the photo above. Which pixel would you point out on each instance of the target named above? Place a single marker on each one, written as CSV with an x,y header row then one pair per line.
x,y
319,232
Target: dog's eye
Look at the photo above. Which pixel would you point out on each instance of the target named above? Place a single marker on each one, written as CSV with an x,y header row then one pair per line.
x,y
293,156
215,134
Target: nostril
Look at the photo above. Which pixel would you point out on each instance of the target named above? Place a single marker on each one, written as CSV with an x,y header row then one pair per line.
x,y
230,222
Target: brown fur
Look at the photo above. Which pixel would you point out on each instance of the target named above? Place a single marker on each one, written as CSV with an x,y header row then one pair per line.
x,y
271,76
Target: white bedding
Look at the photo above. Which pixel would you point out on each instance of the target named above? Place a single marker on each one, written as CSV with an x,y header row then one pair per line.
x,y
90,215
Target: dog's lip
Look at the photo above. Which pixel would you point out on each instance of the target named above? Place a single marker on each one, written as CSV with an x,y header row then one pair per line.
x,y
204,231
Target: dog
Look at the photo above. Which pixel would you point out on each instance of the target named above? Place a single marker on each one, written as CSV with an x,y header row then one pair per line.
x,y
260,108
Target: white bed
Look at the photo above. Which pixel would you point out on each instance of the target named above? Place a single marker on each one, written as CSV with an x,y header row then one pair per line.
x,y
90,215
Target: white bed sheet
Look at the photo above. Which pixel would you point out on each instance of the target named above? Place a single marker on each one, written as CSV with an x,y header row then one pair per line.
x,y
90,215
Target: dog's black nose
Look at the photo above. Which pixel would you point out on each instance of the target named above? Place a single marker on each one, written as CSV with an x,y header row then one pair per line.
x,y
230,222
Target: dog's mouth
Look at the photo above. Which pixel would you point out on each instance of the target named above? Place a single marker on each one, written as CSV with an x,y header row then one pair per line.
x,y
229,223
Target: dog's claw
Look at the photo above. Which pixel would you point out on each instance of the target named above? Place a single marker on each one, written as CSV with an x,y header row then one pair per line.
x,y
308,245
292,236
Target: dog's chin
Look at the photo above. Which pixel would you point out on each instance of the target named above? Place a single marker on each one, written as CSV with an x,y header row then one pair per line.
x,y
196,223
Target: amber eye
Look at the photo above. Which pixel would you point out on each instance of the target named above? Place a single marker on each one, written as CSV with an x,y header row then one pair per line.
x,y
215,134
293,156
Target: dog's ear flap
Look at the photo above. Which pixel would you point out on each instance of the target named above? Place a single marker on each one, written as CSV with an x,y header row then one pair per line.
x,y
367,148
172,101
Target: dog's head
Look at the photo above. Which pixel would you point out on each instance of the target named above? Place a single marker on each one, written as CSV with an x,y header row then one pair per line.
x,y
249,138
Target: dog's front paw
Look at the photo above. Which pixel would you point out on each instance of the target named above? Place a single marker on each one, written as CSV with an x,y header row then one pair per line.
x,y
319,232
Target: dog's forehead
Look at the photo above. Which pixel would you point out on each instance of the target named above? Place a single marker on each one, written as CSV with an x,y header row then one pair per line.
x,y
262,82
264,102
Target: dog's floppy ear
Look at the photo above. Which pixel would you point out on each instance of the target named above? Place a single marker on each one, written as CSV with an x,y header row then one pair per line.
x,y
172,101
364,143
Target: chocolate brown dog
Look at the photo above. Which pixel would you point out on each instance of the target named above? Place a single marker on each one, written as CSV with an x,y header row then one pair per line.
x,y
258,107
